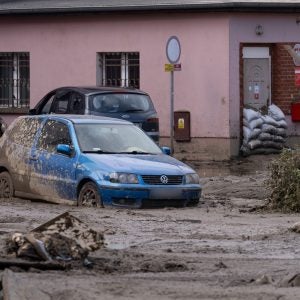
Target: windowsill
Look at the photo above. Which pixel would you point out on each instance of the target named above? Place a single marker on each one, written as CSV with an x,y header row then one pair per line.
x,y
14,110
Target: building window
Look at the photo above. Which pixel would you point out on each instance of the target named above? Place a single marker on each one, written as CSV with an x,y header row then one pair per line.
x,y
14,79
119,69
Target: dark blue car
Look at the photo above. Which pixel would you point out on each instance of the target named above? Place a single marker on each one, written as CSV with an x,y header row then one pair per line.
x,y
93,161
115,102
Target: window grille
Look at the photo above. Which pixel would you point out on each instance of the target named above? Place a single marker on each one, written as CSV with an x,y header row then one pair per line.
x,y
119,69
14,79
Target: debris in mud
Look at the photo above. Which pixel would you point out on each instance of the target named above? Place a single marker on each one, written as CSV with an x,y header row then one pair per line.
x,y
168,266
253,209
109,261
29,265
291,280
264,279
221,265
63,238
295,227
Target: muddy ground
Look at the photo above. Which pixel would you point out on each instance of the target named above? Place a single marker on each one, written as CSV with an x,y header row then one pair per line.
x,y
223,249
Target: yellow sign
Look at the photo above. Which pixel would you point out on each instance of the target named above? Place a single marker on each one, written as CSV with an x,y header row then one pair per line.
x,y
181,123
169,67
172,67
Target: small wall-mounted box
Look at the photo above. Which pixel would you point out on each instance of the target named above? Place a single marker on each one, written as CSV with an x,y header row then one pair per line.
x,y
182,126
295,112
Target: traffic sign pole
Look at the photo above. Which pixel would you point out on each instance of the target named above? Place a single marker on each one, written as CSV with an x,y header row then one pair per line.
x,y
173,51
172,113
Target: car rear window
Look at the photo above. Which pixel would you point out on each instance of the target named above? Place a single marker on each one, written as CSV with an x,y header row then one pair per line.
x,y
120,102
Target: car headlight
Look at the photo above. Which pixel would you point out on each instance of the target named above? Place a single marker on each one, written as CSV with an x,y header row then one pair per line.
x,y
192,178
123,178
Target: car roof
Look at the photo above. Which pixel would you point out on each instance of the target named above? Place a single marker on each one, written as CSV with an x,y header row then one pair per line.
x,y
102,89
83,119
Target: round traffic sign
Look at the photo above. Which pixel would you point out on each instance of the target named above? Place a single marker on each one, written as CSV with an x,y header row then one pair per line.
x,y
173,49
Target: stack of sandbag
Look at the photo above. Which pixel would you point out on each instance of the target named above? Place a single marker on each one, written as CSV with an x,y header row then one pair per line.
x,y
263,133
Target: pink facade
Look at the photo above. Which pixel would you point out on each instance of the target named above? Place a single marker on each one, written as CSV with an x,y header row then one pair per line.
x,y
63,51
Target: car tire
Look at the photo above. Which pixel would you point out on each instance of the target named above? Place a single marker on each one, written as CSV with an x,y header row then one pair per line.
x,y
89,196
6,186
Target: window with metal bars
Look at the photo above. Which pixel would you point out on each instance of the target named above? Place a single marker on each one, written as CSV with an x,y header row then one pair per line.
x,y
119,69
14,79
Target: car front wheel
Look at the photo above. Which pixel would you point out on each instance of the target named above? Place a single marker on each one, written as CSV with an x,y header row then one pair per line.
x,y
6,186
89,196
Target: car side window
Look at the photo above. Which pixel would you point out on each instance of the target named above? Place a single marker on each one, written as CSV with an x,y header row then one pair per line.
x,y
61,102
46,108
77,104
24,131
52,134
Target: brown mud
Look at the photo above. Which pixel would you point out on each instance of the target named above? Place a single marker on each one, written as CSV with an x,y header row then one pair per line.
x,y
225,248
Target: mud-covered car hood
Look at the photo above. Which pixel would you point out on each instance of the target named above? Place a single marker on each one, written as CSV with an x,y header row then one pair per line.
x,y
138,164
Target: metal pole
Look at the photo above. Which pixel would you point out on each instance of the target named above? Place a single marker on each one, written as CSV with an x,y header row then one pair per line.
x,y
172,114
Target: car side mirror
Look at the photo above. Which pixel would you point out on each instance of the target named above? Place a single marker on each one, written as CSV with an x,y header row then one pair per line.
x,y
64,149
32,111
166,150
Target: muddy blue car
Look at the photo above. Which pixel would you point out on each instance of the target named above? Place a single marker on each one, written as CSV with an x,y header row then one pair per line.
x,y
92,161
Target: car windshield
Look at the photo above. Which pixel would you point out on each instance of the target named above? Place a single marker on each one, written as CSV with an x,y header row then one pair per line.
x,y
114,138
119,103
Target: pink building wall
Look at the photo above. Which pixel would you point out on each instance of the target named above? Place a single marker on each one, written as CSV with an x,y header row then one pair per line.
x,y
63,52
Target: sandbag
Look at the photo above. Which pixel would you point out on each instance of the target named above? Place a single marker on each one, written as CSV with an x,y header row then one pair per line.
x,y
281,132
265,136
256,123
270,121
282,124
250,114
249,134
253,144
275,112
265,151
268,128
272,144
245,150
278,139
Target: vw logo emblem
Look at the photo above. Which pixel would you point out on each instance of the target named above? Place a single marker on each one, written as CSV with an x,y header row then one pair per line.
x,y
164,179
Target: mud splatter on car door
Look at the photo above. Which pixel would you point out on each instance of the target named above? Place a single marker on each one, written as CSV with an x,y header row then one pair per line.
x,y
18,149
53,172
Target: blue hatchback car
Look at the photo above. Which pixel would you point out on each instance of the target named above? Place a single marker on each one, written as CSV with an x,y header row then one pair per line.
x,y
92,161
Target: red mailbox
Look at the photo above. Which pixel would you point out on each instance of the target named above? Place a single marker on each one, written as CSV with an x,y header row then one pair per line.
x,y
295,112
182,126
